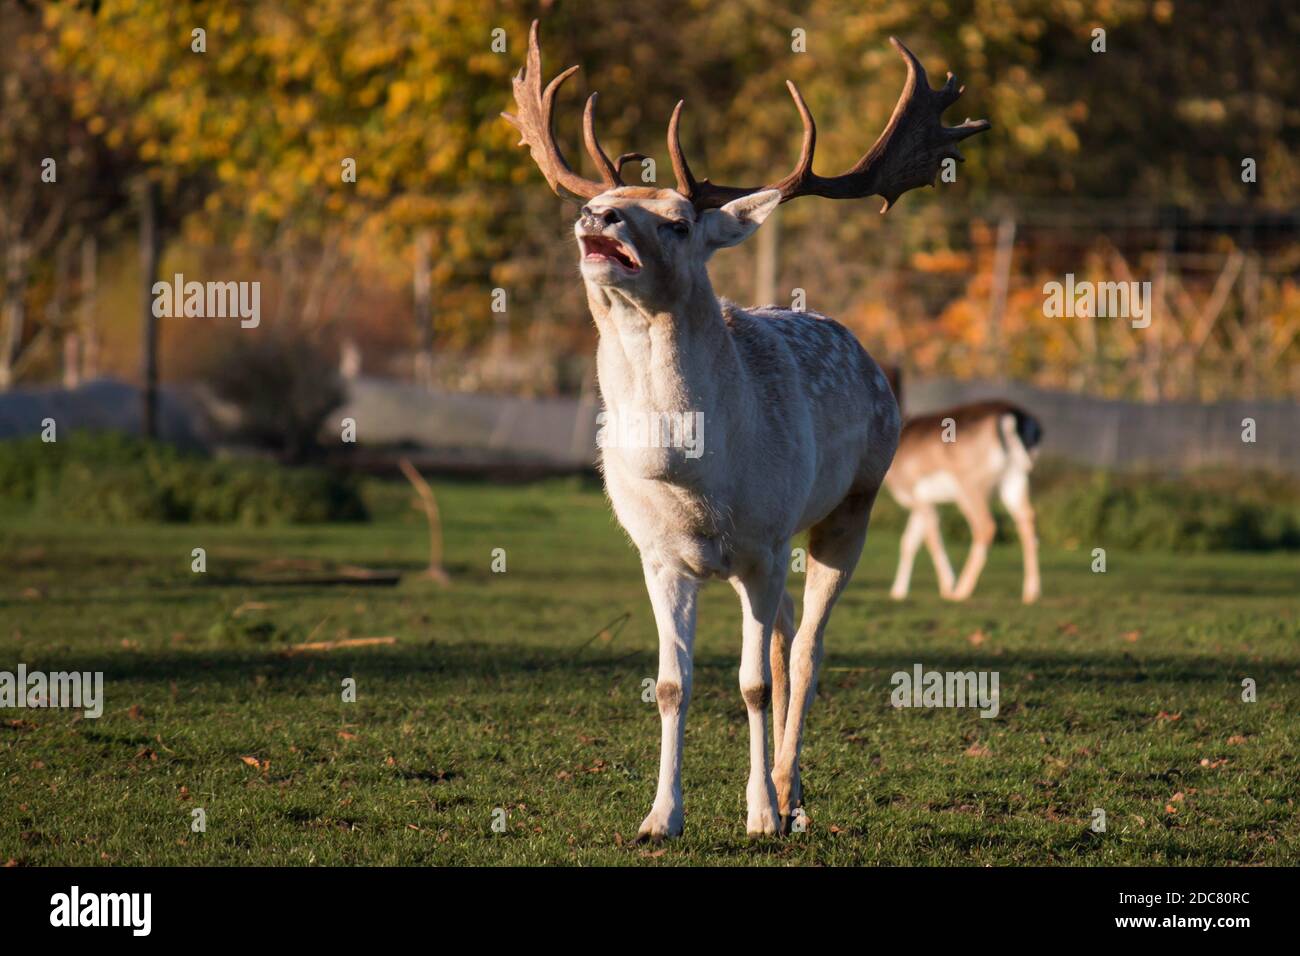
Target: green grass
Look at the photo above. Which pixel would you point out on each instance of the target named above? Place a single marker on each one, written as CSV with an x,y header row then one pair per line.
x,y
1119,691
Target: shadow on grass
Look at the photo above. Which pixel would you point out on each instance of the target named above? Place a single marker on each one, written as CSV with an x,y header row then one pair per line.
x,y
459,662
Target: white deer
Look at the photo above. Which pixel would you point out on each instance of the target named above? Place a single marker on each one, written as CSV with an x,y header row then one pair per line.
x,y
800,425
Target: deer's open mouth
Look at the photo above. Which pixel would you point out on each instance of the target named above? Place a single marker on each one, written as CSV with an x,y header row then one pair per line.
x,y
605,249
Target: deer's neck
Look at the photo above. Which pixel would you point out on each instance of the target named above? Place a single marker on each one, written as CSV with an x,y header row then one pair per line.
x,y
663,359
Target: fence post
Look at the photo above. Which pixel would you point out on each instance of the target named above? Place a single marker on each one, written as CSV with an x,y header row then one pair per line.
x,y
998,299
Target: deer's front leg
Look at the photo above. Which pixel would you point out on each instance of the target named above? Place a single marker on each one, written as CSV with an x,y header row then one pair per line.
x,y
673,597
761,591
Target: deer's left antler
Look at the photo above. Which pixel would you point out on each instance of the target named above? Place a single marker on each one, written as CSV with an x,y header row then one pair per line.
x,y
906,155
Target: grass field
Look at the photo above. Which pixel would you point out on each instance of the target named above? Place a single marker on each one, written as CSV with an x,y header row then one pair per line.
x,y
1120,691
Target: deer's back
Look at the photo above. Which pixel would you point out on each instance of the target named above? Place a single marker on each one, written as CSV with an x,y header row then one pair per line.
x,y
811,371
983,447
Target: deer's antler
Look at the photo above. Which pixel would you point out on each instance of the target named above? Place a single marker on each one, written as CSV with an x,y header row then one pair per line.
x,y
906,155
536,109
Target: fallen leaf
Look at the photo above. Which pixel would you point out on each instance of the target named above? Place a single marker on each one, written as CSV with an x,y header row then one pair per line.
x,y
1165,715
1236,740
977,638
977,749
343,734
1132,636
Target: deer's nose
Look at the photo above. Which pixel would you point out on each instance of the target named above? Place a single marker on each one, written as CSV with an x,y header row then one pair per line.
x,y
598,217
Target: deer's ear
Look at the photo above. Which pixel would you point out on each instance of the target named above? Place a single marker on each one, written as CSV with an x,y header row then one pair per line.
x,y
736,221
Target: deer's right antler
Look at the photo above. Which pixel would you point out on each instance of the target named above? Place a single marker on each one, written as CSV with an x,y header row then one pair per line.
x,y
534,122
906,155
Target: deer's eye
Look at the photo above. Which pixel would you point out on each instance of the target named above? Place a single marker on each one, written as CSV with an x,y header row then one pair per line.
x,y
679,227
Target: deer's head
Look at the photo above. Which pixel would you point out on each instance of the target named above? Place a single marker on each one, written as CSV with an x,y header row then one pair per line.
x,y
654,243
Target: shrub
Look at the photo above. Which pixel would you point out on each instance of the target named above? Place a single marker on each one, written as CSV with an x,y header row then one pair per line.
x,y
112,478
283,387
1207,511
1212,510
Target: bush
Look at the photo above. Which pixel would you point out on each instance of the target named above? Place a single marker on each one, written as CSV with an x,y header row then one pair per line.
x,y
111,478
1213,510
1197,512
283,387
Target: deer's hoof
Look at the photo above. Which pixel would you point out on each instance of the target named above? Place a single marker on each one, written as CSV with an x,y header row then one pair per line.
x,y
658,827
763,822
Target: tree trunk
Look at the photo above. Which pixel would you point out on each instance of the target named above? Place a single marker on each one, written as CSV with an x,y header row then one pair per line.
x,y
89,310
150,246
13,309
55,316
422,289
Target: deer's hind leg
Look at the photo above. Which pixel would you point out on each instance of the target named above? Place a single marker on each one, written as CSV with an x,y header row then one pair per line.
x,y
834,546
782,635
1014,491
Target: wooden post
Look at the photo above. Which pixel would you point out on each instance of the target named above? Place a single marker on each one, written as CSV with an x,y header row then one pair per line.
x,y
1254,336
150,246
1001,283
429,505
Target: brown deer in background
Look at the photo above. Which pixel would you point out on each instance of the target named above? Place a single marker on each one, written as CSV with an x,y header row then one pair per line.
x,y
799,424
962,455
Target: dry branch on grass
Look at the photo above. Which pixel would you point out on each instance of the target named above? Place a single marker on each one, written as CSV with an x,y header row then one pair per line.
x,y
334,645
429,505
